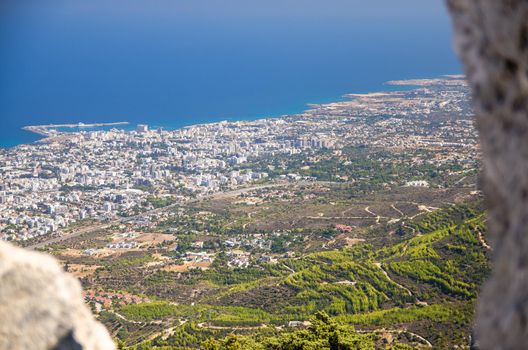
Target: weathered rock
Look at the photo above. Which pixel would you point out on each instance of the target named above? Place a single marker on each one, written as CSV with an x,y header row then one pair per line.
x,y
491,37
41,307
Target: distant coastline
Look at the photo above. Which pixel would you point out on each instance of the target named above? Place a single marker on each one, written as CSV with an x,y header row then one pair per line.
x,y
49,130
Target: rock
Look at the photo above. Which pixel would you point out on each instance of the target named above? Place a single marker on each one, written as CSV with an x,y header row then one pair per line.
x,y
41,306
491,37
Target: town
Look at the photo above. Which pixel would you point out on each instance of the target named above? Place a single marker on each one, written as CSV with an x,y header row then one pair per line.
x,y
359,208
74,177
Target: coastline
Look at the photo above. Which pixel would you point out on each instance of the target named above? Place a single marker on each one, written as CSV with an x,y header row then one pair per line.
x,y
389,87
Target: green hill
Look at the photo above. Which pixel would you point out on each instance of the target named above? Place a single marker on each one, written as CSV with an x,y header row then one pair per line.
x,y
415,287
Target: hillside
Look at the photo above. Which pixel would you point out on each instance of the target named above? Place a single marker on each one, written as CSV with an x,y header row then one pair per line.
x,y
415,289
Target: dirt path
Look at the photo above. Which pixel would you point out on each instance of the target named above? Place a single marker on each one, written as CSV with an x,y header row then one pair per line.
x,y
164,333
378,265
339,217
292,272
482,241
409,227
378,218
249,215
346,211
397,210
418,337
342,217
418,301
421,339
124,318
289,268
208,326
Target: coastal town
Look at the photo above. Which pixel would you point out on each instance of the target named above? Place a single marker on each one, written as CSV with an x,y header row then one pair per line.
x,y
362,206
261,175
87,176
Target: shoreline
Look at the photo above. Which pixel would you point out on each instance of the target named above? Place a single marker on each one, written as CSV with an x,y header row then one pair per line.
x,y
383,90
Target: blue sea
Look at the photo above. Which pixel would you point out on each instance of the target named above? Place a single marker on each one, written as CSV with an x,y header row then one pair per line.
x,y
175,63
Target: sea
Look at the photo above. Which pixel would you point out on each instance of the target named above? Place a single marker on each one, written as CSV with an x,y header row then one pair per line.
x,y
172,63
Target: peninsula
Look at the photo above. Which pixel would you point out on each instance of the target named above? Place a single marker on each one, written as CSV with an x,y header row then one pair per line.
x,y
50,129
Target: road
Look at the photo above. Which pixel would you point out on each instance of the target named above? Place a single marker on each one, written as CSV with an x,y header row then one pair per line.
x,y
407,290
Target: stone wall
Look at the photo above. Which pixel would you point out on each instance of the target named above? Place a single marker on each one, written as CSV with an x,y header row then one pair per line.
x,y
491,37
41,307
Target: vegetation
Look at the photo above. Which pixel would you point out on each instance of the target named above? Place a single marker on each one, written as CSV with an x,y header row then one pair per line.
x,y
425,282
387,271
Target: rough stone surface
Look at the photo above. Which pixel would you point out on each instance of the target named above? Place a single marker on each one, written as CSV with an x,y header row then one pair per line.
x,y
491,37
41,307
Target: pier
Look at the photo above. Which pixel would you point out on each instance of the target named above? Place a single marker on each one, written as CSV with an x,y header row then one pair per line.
x,y
44,130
